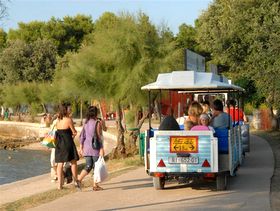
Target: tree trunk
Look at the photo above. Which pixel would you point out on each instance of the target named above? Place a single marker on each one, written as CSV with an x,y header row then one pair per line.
x,y
44,108
156,106
119,151
156,109
136,116
133,135
18,112
274,120
81,112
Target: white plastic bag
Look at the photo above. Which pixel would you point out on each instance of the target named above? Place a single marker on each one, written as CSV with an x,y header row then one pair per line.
x,y
100,172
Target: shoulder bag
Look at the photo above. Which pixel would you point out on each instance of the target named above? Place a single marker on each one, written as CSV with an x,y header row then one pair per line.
x,y
96,143
50,139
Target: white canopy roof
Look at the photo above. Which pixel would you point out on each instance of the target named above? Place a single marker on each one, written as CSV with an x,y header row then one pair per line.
x,y
192,81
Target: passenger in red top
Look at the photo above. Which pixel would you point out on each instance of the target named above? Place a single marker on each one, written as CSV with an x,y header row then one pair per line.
x,y
236,113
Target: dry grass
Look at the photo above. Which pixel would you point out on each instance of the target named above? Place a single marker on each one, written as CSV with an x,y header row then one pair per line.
x,y
273,138
112,130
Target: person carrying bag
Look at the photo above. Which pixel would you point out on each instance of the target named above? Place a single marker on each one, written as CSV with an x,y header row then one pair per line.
x,y
90,134
50,139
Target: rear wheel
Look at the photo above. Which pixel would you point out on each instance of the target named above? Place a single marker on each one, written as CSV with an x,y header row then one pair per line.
x,y
221,182
158,183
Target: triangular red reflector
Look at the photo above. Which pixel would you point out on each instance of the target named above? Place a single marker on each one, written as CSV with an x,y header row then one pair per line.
x,y
161,163
205,163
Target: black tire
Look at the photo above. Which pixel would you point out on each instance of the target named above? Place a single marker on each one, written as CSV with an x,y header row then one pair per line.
x,y
158,183
221,182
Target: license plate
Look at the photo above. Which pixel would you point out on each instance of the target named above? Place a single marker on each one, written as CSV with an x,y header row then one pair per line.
x,y
184,160
183,144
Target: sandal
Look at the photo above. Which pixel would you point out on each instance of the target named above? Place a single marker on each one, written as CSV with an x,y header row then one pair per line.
x,y
97,188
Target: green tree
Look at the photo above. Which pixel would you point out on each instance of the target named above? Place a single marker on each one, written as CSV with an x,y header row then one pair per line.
x,y
125,54
12,96
68,33
186,38
106,21
21,61
43,61
22,93
3,39
27,32
3,36
244,35
171,56
14,58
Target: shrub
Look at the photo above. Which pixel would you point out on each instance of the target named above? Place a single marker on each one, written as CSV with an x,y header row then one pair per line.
x,y
248,109
263,106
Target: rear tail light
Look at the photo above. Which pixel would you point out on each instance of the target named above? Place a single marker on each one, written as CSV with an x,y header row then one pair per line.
x,y
157,174
209,175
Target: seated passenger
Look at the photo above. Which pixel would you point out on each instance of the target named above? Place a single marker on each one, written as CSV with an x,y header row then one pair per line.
x,y
188,125
204,124
193,113
169,123
237,114
220,119
206,108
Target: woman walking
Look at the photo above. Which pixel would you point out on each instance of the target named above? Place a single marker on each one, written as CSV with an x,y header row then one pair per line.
x,y
65,150
91,127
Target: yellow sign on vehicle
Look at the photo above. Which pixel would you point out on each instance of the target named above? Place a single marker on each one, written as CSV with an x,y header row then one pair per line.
x,y
183,144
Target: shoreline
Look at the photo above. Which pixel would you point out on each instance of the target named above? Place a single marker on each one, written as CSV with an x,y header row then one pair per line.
x,y
18,143
15,135
35,146
14,144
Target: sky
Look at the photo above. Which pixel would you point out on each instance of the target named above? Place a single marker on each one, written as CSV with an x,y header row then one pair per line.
x,y
170,12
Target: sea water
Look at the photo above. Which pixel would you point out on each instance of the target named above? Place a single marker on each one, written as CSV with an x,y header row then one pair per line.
x,y
22,163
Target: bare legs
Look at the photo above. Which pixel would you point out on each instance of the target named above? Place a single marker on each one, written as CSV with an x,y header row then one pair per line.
x,y
82,175
74,169
53,166
54,173
60,174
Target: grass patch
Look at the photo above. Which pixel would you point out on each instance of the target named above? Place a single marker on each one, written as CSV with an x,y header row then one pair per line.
x,y
112,130
115,168
273,139
270,136
35,200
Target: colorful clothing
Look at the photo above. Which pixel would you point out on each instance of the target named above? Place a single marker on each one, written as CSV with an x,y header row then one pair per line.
x,y
86,135
236,114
